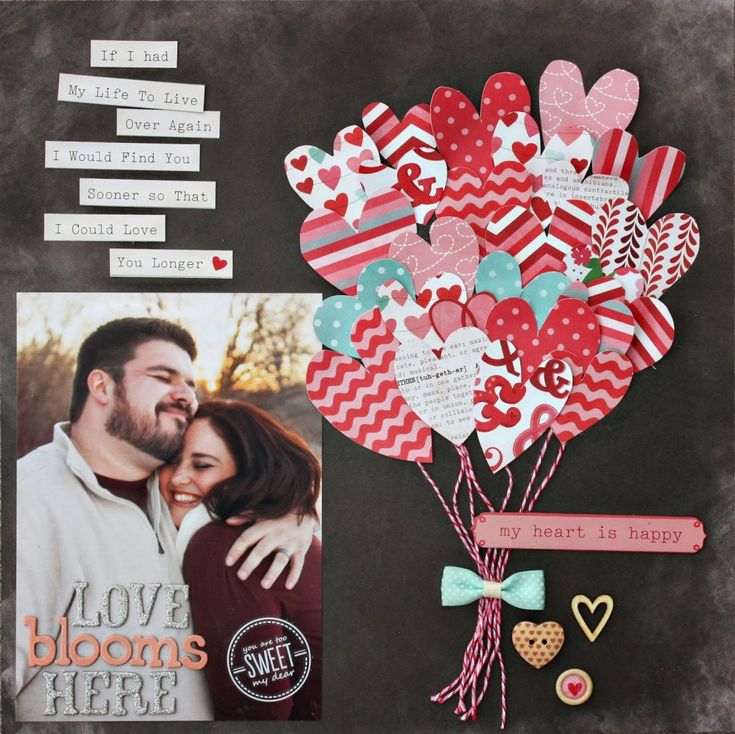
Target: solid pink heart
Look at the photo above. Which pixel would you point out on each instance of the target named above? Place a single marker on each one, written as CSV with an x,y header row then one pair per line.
x,y
447,316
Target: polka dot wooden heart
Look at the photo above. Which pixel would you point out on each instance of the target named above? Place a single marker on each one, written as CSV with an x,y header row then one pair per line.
x,y
538,644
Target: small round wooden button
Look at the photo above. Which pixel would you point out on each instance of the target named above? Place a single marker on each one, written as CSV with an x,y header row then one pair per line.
x,y
574,686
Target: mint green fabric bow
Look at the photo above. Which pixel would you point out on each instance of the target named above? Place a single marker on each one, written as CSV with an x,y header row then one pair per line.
x,y
525,590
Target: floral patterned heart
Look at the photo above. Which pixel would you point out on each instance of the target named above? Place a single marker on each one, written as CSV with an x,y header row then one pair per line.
x,y
538,644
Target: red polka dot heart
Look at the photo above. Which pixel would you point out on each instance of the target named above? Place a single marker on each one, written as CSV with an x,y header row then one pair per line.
x,y
570,327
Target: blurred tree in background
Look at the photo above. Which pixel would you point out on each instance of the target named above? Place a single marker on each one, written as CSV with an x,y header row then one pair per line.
x,y
264,350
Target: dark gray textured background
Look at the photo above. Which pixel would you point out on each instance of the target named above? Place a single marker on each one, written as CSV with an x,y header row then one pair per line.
x,y
286,73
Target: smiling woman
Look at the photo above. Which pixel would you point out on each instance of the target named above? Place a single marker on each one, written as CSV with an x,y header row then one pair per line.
x,y
238,461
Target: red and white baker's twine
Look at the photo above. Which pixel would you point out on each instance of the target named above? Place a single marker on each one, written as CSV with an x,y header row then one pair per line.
x,y
484,646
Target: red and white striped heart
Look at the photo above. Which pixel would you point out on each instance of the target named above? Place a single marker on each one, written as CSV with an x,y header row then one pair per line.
x,y
440,391
652,177
653,334
395,137
332,182
510,415
603,386
408,319
472,199
364,402
617,326
339,253
454,249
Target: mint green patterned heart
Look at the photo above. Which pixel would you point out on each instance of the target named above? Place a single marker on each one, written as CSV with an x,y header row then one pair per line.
x,y
498,273
335,317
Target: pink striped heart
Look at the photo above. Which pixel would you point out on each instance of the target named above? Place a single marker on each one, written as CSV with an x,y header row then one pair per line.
x,y
364,402
339,253
616,326
396,137
467,197
610,103
603,386
654,332
652,177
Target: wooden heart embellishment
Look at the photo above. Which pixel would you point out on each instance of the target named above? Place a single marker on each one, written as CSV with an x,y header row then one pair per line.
x,y
339,253
580,599
538,644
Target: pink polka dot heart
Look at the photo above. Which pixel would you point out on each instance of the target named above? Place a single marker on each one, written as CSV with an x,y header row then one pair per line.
x,y
464,136
570,326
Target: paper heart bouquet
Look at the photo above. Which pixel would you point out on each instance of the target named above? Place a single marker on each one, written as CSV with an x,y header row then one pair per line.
x,y
528,311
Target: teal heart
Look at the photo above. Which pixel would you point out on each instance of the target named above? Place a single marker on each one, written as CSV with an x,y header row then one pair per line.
x,y
498,273
317,154
543,292
335,317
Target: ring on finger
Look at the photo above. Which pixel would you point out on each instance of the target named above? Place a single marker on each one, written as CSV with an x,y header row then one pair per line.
x,y
284,551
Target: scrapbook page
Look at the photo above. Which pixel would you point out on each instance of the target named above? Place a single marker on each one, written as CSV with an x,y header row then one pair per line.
x,y
367,364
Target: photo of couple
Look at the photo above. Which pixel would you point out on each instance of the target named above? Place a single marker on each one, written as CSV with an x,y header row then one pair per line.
x,y
168,528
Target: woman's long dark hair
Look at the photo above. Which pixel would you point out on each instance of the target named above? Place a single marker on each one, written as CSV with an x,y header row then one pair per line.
x,y
277,472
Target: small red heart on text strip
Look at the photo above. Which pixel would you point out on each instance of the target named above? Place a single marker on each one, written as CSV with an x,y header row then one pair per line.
x,y
579,164
218,263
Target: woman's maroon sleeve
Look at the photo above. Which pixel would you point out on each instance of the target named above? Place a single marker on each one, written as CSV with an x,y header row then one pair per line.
x,y
221,604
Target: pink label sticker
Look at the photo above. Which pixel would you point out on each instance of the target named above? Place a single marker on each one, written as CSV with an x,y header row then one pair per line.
x,y
544,531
